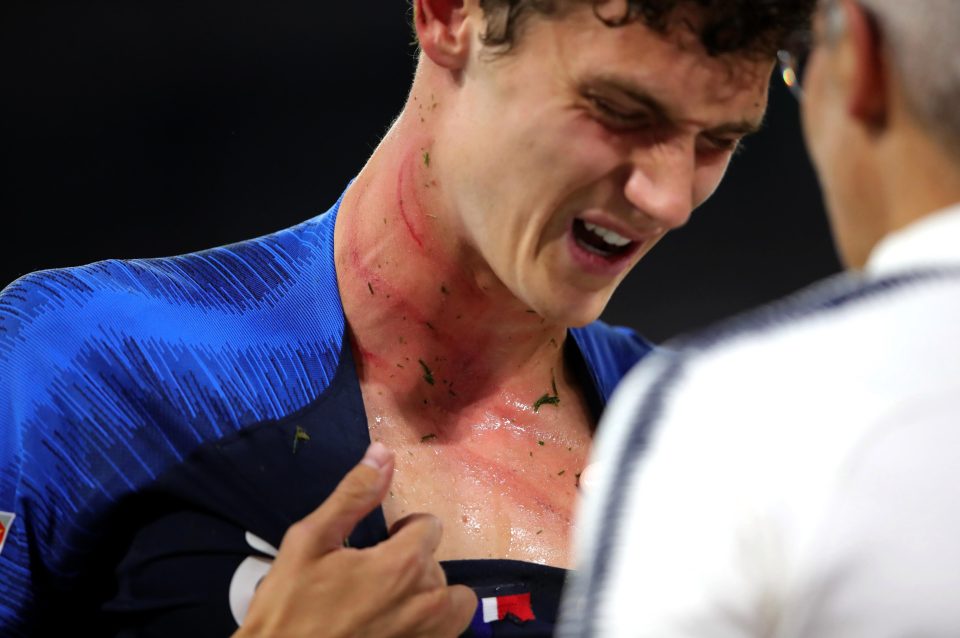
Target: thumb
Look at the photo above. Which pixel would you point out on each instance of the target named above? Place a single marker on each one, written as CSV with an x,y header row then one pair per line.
x,y
358,494
463,606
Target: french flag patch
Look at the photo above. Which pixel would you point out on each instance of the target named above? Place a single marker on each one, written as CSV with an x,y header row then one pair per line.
x,y
515,608
6,521
498,607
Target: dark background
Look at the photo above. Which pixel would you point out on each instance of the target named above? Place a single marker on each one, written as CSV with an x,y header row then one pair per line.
x,y
146,128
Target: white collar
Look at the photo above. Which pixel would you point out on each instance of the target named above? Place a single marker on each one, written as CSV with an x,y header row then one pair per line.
x,y
932,241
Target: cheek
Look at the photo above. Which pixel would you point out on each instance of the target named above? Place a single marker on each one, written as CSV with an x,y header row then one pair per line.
x,y
562,170
824,133
708,178
585,147
810,123
811,108
604,151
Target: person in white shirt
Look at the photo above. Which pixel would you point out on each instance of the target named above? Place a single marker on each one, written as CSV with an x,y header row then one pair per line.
x,y
796,472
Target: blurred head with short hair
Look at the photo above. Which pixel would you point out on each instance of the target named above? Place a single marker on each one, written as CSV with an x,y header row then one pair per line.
x,y
881,116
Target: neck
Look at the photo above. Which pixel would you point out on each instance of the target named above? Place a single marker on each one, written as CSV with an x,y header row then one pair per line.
x,y
923,178
428,319
900,180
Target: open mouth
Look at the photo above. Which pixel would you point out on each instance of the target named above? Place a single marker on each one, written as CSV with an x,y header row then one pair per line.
x,y
599,240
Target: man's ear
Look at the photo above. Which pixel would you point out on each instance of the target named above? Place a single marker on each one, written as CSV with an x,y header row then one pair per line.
x,y
868,72
442,29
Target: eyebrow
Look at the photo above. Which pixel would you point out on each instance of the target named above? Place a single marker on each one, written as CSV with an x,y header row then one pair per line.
x,y
642,98
630,91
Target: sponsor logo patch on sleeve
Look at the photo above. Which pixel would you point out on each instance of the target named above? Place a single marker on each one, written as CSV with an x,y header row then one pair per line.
x,y
6,520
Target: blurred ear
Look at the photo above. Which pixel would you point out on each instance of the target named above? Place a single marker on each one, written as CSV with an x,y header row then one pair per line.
x,y
442,29
867,72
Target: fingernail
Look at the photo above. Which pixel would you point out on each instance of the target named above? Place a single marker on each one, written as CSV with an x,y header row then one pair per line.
x,y
588,477
377,455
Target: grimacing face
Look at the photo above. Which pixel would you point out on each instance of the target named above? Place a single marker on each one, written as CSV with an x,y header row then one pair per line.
x,y
582,146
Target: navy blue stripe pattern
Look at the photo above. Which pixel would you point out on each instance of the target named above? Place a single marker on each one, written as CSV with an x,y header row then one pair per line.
x,y
112,373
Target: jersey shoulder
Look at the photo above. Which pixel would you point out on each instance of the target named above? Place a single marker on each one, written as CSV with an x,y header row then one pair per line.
x,y
113,372
268,305
610,352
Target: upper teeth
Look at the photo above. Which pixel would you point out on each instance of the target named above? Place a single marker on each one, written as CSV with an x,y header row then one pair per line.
x,y
606,234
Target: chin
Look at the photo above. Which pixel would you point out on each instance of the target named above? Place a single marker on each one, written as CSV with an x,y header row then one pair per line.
x,y
575,311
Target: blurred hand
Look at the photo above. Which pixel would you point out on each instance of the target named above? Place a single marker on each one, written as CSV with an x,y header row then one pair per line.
x,y
319,588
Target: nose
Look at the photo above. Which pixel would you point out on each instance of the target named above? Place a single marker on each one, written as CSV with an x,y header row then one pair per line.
x,y
660,184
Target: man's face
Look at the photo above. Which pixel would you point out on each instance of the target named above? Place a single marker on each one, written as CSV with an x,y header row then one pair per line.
x,y
581,147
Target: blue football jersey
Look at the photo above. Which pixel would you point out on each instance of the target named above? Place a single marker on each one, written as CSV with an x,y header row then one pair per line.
x,y
164,421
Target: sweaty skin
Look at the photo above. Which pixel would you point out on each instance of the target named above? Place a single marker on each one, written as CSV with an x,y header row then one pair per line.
x,y
460,274
431,349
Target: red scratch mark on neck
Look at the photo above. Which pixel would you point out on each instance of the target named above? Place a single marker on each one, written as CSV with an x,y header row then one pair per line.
x,y
401,180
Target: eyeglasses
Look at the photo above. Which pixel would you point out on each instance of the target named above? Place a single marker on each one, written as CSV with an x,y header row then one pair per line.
x,y
796,50
793,60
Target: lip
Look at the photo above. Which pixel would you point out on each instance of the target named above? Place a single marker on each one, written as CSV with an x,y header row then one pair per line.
x,y
599,265
617,225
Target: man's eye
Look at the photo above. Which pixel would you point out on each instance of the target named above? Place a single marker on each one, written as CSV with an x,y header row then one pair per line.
x,y
723,144
617,117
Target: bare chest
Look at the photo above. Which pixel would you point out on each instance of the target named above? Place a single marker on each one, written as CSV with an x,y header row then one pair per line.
x,y
503,481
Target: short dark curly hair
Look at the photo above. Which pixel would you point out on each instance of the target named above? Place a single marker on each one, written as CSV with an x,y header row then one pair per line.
x,y
729,26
